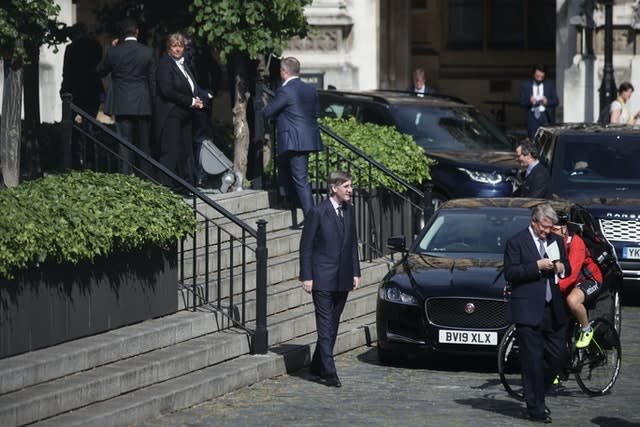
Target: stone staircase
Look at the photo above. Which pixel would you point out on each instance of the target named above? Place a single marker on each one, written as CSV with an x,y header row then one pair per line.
x,y
166,364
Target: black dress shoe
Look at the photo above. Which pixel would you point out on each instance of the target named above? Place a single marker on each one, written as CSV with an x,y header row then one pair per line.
x,y
330,381
544,418
547,411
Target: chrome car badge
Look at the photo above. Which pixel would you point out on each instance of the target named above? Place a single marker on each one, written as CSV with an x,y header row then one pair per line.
x,y
469,308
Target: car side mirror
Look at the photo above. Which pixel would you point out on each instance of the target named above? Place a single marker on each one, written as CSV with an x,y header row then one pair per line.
x,y
397,243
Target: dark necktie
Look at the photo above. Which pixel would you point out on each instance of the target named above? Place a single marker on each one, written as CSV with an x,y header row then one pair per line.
x,y
542,250
340,215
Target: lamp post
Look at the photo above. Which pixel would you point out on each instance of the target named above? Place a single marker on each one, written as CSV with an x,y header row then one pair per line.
x,y
608,86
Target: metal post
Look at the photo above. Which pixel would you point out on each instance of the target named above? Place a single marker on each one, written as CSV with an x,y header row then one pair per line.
x,y
608,86
261,335
67,131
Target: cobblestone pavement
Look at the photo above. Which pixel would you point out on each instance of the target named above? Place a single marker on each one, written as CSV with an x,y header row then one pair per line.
x,y
442,392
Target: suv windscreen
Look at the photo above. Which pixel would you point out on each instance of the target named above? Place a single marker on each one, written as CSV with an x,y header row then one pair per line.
x,y
449,129
598,165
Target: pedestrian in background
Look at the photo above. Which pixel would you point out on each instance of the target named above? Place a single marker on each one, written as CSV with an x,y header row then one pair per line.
x,y
619,111
129,99
539,99
81,80
537,307
534,177
295,107
330,268
177,97
419,86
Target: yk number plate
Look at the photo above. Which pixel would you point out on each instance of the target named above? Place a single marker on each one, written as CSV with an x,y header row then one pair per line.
x,y
631,253
468,337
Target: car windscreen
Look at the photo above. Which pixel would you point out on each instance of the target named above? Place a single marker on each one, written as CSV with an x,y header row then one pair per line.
x,y
596,165
472,230
450,128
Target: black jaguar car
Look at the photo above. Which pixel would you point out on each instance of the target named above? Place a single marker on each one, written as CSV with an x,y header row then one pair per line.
x,y
446,294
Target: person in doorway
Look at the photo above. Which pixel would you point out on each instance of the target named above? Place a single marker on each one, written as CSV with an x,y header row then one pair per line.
x,y
539,99
419,86
330,268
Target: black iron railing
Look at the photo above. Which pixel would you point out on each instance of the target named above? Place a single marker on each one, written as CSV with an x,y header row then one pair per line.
x,y
222,264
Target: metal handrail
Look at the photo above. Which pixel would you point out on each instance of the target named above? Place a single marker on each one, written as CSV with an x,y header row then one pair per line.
x,y
201,248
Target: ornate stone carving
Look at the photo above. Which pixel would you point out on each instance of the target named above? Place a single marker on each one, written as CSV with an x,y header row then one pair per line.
x,y
324,40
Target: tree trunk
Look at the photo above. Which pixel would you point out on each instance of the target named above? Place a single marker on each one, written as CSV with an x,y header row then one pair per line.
x,y
10,129
241,130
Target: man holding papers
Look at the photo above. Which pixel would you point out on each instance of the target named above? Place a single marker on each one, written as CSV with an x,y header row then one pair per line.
x,y
534,259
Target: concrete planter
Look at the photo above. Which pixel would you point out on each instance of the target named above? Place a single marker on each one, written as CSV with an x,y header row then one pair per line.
x,y
61,302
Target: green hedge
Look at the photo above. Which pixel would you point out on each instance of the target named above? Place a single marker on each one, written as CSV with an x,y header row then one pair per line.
x,y
385,144
80,215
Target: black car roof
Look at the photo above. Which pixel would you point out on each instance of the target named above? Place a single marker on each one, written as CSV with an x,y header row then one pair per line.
x,y
394,97
582,128
506,202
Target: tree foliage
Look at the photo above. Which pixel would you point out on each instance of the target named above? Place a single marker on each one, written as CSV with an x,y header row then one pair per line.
x,y
25,25
254,27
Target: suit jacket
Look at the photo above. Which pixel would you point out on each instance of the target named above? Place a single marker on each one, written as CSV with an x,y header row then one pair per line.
x,y
526,91
536,184
329,253
173,92
296,106
79,76
133,79
528,284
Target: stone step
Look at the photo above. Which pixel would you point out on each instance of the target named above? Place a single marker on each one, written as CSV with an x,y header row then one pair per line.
x,y
196,387
237,203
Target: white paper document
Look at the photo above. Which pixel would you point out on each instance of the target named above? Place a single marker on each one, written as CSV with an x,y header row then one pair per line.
x,y
553,252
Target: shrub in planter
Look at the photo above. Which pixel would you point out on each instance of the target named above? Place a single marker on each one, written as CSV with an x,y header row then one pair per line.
x,y
397,151
85,252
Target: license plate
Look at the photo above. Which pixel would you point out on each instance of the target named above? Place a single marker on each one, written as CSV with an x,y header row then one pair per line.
x,y
631,253
468,337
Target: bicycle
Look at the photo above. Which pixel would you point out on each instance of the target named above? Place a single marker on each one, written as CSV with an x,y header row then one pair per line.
x,y
595,367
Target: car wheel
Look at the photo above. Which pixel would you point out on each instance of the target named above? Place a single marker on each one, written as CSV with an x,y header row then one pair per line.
x,y
388,357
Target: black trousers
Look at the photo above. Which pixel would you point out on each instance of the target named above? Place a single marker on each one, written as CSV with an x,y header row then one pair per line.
x,y
543,352
176,149
136,130
328,306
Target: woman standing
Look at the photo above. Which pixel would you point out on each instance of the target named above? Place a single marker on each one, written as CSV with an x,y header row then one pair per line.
x,y
619,111
177,96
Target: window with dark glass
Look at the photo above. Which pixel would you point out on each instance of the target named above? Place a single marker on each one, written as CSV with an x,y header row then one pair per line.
x,y
465,24
542,24
506,24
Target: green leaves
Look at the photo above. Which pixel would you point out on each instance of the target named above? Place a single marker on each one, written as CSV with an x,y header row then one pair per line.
x,y
81,215
254,27
385,144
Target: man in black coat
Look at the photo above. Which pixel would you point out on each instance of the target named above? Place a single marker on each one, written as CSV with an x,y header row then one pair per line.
x,y
536,305
133,81
536,181
330,268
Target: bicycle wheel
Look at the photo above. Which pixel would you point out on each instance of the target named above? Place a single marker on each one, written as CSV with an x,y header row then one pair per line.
x,y
509,364
599,363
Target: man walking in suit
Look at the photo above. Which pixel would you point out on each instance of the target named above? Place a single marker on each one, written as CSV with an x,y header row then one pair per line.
x,y
298,134
539,99
536,178
330,268
133,81
537,306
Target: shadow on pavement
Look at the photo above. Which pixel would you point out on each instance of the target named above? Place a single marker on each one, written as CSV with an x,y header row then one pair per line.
x,y
613,422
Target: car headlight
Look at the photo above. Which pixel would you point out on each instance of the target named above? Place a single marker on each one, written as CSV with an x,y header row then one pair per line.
x,y
397,296
492,178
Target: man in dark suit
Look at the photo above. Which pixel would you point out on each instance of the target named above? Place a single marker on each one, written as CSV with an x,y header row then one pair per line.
x,y
330,268
298,134
539,99
133,81
536,305
419,86
535,179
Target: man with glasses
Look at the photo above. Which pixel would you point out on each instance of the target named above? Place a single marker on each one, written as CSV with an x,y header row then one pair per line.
x,y
536,306
534,175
